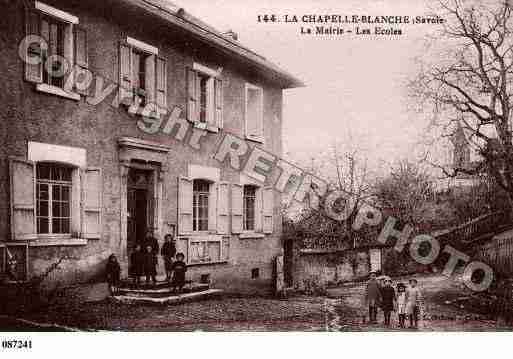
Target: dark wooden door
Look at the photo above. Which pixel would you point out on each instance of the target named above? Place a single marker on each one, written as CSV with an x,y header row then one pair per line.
x,y
137,204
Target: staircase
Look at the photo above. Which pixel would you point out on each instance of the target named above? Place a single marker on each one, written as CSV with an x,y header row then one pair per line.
x,y
162,293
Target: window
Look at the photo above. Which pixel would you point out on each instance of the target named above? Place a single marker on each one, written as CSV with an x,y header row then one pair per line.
x,y
255,273
200,203
142,76
53,198
64,39
249,203
205,97
254,113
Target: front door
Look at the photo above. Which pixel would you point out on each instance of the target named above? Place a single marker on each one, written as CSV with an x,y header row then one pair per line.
x,y
137,206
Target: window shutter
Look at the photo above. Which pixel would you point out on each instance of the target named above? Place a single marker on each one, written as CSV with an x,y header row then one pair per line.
x,y
267,209
150,79
80,43
222,208
23,199
125,74
161,95
92,189
237,207
184,205
218,102
258,209
33,73
192,96
80,46
212,208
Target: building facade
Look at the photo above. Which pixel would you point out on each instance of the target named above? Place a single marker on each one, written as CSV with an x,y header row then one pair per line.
x,y
123,140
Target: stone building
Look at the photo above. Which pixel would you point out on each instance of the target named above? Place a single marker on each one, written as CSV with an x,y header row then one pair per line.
x,y
122,141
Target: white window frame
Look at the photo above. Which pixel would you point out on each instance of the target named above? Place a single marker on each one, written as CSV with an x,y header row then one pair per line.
x,y
244,208
210,202
210,115
69,48
248,87
257,231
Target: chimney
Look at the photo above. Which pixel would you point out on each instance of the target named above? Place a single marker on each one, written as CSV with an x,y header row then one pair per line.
x,y
232,34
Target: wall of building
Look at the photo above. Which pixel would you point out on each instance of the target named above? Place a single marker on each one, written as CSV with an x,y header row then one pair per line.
x,y
27,115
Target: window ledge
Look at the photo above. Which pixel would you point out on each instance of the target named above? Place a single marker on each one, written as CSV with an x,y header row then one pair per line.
x,y
51,242
255,139
206,263
250,235
54,90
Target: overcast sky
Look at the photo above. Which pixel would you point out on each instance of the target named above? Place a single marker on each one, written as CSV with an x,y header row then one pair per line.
x,y
355,84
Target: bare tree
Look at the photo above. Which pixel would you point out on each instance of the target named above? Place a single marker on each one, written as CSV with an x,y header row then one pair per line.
x,y
471,85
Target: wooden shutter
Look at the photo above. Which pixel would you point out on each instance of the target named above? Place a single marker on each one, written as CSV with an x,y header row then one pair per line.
x,y
267,209
81,60
223,191
254,114
92,189
125,74
218,102
258,209
33,73
192,96
161,88
184,205
212,208
80,46
237,207
149,64
23,199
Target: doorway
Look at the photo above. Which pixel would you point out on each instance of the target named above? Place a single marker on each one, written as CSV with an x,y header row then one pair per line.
x,y
139,214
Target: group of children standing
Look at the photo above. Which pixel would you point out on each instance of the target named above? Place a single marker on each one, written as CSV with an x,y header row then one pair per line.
x,y
406,301
143,262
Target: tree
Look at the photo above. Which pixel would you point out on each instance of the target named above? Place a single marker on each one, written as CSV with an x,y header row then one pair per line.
x,y
469,84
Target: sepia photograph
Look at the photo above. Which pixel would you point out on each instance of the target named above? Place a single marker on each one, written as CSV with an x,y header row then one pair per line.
x,y
239,166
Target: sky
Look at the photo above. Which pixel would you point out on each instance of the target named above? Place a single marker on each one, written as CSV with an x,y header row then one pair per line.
x,y
355,85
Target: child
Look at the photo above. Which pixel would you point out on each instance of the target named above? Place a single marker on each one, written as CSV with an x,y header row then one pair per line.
x,y
372,297
150,265
401,303
413,297
168,253
137,265
113,271
179,268
387,300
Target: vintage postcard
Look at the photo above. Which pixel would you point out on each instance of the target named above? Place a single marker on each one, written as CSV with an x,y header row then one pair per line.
x,y
269,166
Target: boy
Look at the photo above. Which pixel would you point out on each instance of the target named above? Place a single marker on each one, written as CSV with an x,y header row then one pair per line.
x,y
372,297
387,300
150,265
168,253
413,298
179,268
137,265
113,273
401,303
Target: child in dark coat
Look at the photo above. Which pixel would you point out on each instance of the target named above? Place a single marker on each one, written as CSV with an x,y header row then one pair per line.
x,y
137,265
387,300
179,268
150,265
168,253
113,271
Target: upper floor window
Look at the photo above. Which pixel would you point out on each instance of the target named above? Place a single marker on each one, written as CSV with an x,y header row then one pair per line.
x,y
53,198
254,113
64,44
205,97
249,204
142,76
200,205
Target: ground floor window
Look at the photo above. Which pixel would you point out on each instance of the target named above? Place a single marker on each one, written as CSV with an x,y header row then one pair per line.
x,y
53,194
200,204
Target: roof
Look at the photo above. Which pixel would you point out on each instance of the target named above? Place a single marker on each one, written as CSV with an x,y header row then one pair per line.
x,y
178,17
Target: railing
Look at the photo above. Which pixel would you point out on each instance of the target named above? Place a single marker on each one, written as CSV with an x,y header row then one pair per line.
x,y
470,231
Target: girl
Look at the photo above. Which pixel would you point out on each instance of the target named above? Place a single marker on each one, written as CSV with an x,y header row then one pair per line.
x,y
401,303
150,265
113,271
179,268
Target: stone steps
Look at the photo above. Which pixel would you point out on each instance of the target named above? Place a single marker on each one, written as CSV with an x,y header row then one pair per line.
x,y
167,300
160,290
